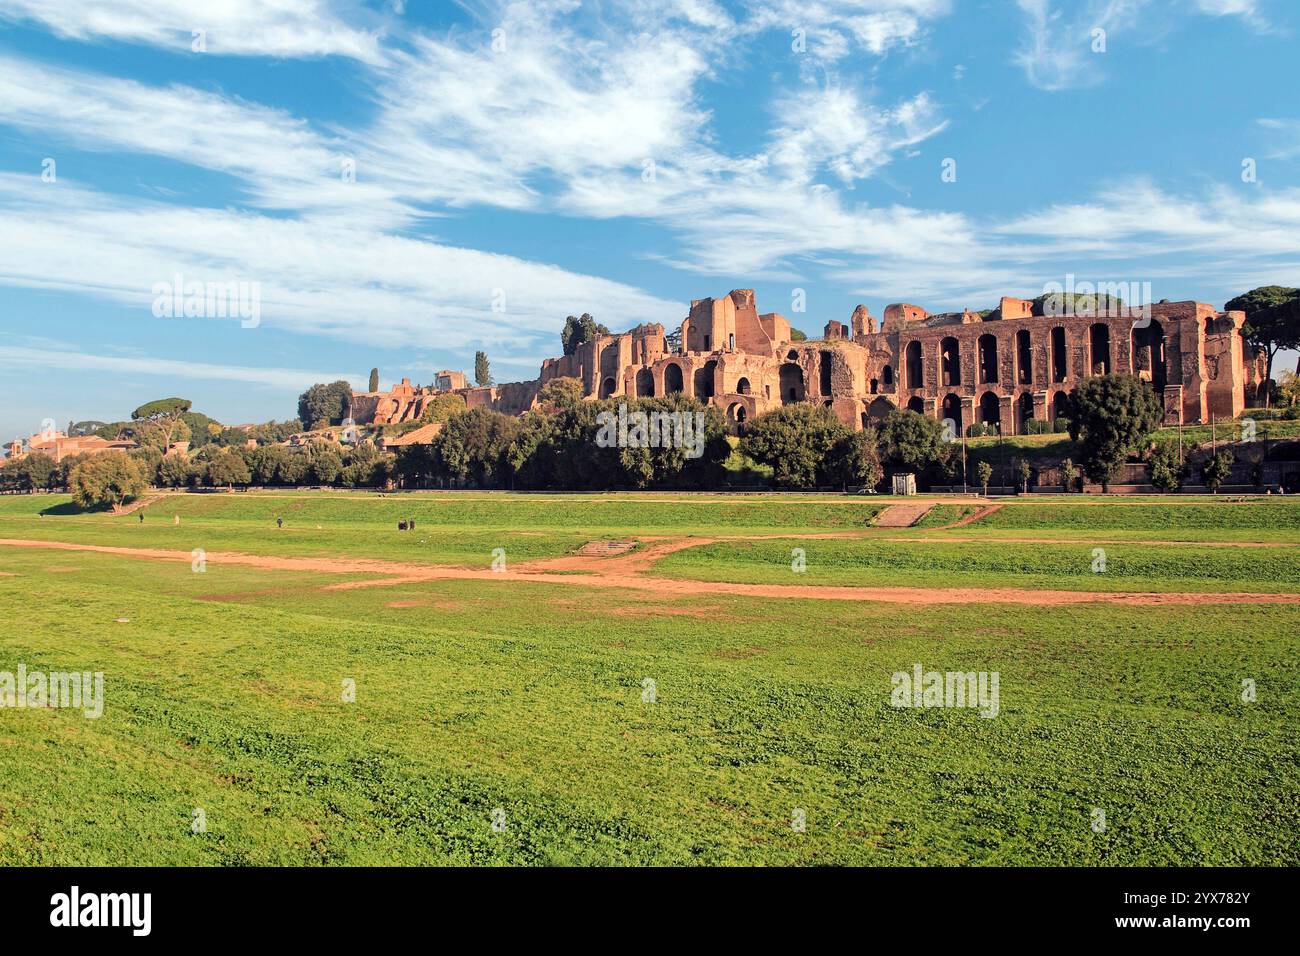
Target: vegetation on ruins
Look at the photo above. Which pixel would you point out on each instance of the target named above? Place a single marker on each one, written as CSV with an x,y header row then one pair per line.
x,y
106,480
323,405
482,370
1272,323
558,393
578,330
1113,415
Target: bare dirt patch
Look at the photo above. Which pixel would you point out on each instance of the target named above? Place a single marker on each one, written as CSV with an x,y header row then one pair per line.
x,y
903,516
625,573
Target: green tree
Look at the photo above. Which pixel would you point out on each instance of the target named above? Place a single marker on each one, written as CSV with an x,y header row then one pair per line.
x,y
984,473
560,392
1272,322
482,371
174,471
165,413
1069,474
108,479
797,336
856,458
441,407
1215,469
293,469
579,330
264,463
473,448
81,429
202,429
325,462
323,405
228,468
1024,471
1113,415
1167,467
797,442
909,441
374,380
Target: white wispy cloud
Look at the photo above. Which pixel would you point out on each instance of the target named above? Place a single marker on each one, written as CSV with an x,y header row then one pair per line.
x,y
316,277
27,359
280,28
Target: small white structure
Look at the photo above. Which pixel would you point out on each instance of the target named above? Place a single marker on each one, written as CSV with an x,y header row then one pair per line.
x,y
904,484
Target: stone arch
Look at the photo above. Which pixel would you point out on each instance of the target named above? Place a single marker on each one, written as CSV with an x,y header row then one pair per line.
x,y
950,361
736,413
1024,358
792,386
672,378
1024,412
825,363
990,412
742,386
916,404
1149,354
1099,348
988,358
1059,407
887,374
645,383
704,379
607,387
913,366
1060,363
951,409
880,408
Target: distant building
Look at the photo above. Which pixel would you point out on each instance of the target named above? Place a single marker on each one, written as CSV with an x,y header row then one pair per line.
x,y
1006,367
59,446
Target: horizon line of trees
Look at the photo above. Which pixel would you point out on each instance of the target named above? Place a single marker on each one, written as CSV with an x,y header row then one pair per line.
x,y
554,446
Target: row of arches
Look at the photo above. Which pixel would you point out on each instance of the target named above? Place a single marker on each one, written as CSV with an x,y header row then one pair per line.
x,y
1147,355
987,411
674,382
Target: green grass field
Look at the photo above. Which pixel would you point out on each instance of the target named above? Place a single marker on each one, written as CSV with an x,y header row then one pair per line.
x,y
521,702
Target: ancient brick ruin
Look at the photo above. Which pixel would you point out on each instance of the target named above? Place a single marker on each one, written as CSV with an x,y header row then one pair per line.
x,y
1006,367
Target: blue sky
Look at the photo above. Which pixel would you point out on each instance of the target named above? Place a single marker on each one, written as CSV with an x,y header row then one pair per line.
x,y
518,162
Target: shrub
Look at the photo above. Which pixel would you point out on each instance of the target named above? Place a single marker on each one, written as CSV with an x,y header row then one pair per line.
x,y
105,480
797,441
1215,469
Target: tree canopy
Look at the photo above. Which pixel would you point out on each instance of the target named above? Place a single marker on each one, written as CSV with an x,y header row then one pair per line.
x,y
797,442
1272,322
578,330
482,370
323,405
1113,415
105,480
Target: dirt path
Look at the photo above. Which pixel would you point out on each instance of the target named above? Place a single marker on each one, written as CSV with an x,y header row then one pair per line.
x,y
903,516
617,573
979,515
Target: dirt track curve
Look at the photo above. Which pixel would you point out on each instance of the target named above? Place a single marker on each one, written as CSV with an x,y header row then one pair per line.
x,y
626,571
